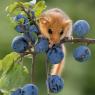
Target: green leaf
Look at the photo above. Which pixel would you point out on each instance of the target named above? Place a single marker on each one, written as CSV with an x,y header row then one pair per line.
x,y
14,9
11,7
14,74
8,60
27,4
2,92
21,21
39,7
0,65
16,77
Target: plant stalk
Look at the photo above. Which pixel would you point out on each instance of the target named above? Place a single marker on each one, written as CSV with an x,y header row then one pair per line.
x,y
47,72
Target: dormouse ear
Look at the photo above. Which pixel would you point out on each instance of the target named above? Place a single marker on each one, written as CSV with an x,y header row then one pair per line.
x,y
66,23
44,19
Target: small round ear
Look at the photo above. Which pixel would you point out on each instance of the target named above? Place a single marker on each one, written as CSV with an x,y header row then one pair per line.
x,y
44,19
66,23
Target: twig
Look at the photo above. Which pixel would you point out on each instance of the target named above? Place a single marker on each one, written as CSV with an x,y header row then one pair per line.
x,y
33,65
33,69
79,40
30,17
32,53
47,72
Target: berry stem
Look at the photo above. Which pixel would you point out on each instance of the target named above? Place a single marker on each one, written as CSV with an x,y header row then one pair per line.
x,y
33,69
33,65
47,72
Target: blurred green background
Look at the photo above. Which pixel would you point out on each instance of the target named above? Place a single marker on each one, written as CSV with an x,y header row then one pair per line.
x,y
79,78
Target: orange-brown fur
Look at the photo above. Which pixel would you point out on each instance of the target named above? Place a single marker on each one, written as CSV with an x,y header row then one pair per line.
x,y
56,20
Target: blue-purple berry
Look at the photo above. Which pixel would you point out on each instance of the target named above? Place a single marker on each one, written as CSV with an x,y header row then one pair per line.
x,y
19,16
17,92
20,28
82,53
19,44
30,89
23,23
33,28
55,54
42,45
55,83
22,17
81,28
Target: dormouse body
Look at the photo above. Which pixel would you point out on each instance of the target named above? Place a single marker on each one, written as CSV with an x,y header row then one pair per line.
x,y
55,24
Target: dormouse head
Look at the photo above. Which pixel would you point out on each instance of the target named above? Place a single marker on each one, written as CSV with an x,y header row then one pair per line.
x,y
53,25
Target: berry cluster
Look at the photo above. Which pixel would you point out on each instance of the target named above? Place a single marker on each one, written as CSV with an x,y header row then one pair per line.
x,y
54,83
28,89
29,42
80,29
20,43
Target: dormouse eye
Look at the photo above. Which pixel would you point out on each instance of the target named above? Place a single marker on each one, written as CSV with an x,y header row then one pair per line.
x,y
49,31
61,32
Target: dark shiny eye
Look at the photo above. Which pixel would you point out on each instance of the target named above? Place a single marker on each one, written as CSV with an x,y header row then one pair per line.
x,y
61,32
49,31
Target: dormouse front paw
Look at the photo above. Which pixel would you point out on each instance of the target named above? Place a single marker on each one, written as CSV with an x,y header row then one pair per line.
x,y
68,38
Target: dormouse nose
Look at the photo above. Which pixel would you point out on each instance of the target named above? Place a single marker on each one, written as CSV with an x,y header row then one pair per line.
x,y
54,39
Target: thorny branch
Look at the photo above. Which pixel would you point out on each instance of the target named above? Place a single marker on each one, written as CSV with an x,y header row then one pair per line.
x,y
79,40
